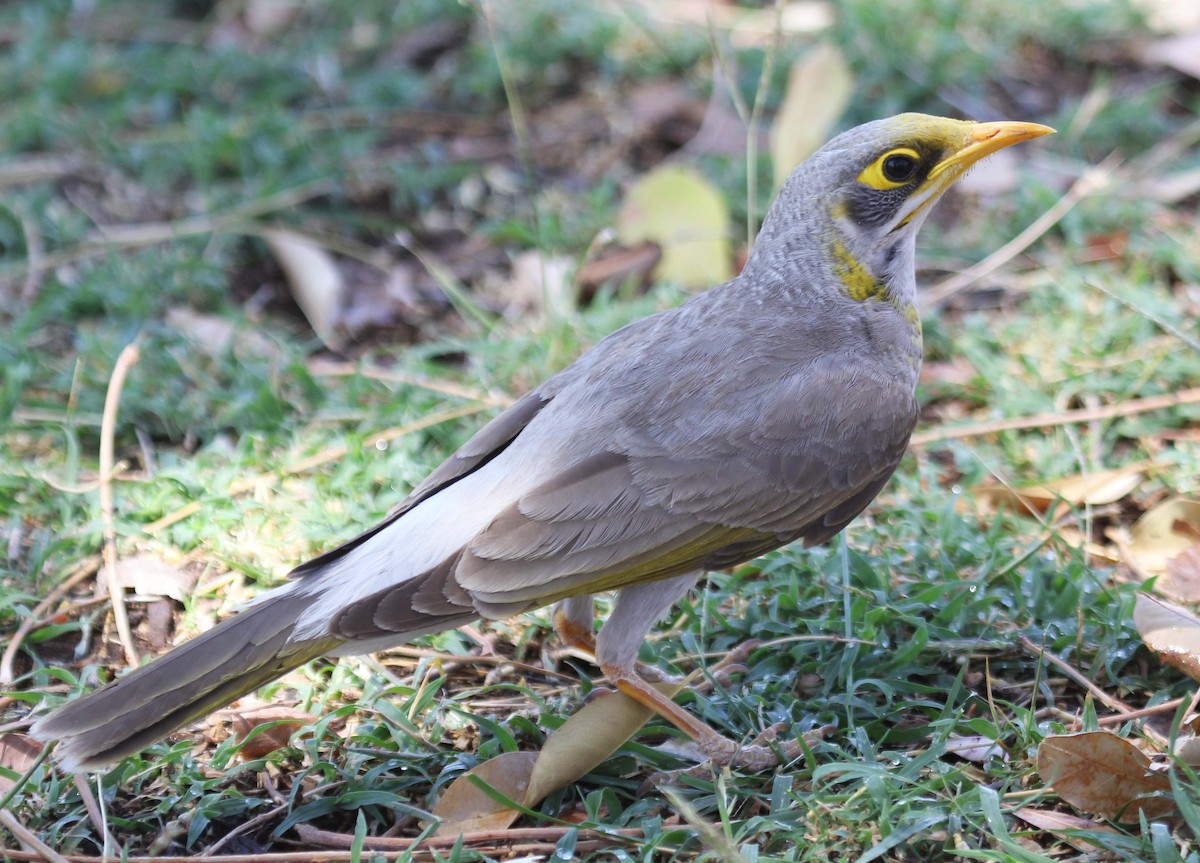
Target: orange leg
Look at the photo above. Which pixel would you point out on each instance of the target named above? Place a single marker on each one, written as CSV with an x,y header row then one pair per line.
x,y
722,751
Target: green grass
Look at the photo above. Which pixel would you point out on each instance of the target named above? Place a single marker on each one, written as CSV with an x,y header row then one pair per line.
x,y
904,635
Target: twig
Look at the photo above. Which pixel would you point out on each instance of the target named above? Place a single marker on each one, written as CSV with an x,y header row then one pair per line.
x,y
327,455
133,236
29,623
93,810
1113,704
1092,181
315,836
39,850
382,848
1058,418
330,369
116,593
756,110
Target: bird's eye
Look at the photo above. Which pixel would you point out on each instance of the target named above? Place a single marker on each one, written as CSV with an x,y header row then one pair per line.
x,y
892,170
899,167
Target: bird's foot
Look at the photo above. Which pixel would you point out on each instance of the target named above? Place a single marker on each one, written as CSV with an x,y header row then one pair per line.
x,y
759,755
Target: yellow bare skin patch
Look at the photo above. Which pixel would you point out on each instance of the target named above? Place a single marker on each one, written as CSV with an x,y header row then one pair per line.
x,y
876,177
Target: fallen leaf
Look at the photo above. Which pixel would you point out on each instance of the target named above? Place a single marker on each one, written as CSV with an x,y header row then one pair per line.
x,y
267,730
595,732
537,284
1057,823
1187,749
464,807
1170,16
151,576
818,90
1181,53
976,748
314,279
612,265
687,217
1164,532
1182,579
17,753
1171,632
215,335
1100,772
1095,489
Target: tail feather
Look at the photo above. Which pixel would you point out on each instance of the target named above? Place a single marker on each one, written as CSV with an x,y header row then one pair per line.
x,y
202,675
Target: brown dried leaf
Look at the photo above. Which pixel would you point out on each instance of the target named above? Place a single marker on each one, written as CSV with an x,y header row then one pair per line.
x,y
1094,489
818,90
464,807
151,576
1170,16
1173,633
1187,749
536,284
17,753
1182,53
1164,532
1100,772
1182,580
1056,823
595,732
314,278
281,722
614,265
688,218
215,335
976,748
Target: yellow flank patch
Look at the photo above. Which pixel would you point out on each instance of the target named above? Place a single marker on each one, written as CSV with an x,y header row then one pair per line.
x,y
859,284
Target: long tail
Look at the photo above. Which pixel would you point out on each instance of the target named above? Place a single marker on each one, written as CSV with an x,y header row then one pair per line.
x,y
202,675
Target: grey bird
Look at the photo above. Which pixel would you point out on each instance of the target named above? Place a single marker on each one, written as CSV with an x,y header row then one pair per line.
x,y
769,409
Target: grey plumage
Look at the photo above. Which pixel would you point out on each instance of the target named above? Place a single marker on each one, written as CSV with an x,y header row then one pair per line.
x,y
769,409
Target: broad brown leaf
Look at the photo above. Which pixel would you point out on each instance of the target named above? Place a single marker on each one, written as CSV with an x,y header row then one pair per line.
x,y
1100,772
1172,632
464,807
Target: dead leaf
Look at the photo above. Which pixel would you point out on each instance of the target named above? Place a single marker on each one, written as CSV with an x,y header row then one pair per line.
x,y
1057,823
17,753
314,278
464,807
537,284
1170,16
215,335
1100,772
267,730
818,90
976,748
612,265
1171,632
1163,533
1095,489
1187,749
687,217
1182,579
595,732
148,575
1181,53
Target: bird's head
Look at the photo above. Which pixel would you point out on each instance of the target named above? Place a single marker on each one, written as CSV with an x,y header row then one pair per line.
x,y
865,194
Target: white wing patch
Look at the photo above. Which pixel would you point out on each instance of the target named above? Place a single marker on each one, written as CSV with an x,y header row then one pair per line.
x,y
422,538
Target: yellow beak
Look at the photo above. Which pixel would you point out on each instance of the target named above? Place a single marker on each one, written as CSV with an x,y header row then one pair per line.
x,y
987,138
